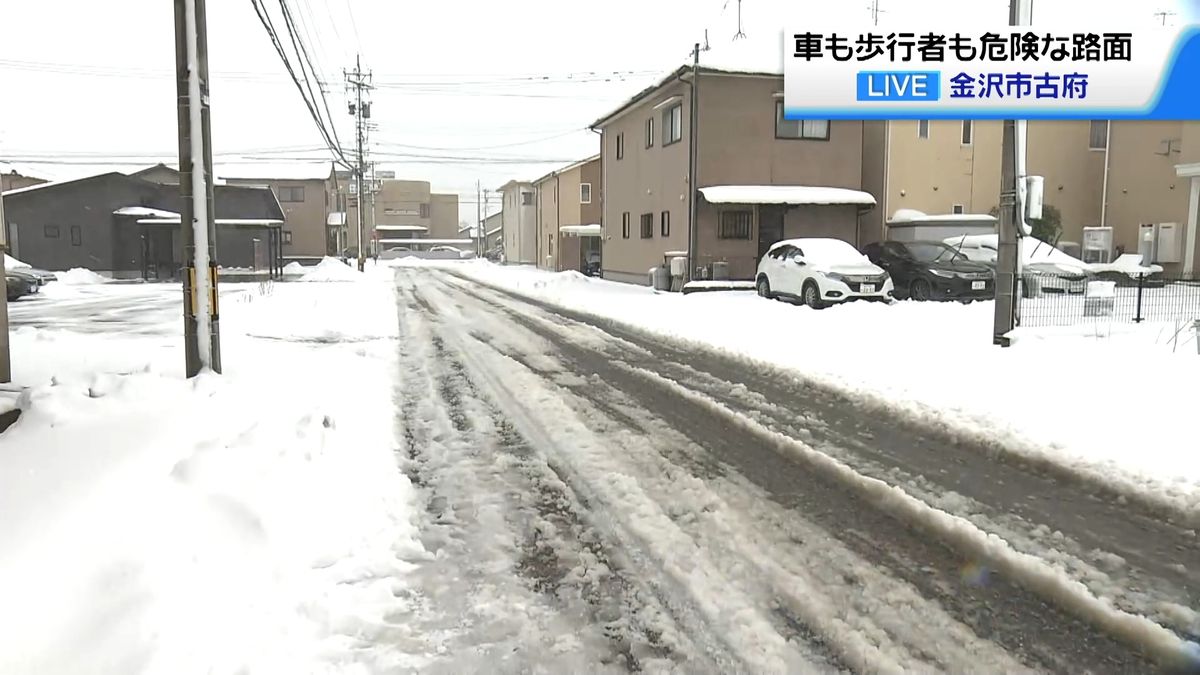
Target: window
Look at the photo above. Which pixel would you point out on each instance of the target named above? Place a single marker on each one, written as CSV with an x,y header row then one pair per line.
x,y
76,236
423,211
287,237
957,208
1098,135
665,224
625,225
922,128
650,132
50,231
735,225
620,146
812,130
291,193
967,132
526,198
673,124
585,193
647,225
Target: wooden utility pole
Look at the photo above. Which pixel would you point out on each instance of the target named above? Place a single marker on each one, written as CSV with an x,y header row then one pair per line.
x,y
201,335
359,81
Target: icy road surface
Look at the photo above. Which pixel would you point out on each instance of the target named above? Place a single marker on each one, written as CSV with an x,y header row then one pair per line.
x,y
598,497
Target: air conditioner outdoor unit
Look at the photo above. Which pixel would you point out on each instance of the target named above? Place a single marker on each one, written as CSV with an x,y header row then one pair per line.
x,y
1097,245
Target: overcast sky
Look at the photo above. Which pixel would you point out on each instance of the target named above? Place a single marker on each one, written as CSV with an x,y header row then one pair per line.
x,y
465,89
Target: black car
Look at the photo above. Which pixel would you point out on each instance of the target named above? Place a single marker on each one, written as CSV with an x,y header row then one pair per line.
x,y
16,286
931,270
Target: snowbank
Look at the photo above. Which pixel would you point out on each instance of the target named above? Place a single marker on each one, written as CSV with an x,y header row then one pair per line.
x,y
294,269
11,263
1050,398
79,276
253,521
331,269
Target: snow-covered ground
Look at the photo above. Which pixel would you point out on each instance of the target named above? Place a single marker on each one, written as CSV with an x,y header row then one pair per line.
x,y
1111,401
249,522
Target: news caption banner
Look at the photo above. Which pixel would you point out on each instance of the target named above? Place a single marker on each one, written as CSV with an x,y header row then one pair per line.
x,y
1017,72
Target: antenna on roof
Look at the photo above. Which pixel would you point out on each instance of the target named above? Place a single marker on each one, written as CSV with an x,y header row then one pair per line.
x,y
739,35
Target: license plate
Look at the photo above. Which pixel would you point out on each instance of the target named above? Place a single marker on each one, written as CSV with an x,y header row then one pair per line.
x,y
978,285
866,288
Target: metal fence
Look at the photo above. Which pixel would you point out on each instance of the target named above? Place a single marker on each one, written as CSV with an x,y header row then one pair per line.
x,y
1048,300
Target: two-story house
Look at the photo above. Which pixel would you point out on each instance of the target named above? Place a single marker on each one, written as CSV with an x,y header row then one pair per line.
x,y
300,189
568,216
519,222
758,177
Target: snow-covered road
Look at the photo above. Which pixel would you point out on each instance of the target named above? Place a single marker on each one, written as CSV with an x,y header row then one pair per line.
x,y
599,496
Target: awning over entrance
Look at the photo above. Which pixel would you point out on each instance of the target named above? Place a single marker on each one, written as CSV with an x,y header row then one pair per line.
x,y
592,230
785,194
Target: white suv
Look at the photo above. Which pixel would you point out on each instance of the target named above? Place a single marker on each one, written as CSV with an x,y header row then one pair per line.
x,y
821,272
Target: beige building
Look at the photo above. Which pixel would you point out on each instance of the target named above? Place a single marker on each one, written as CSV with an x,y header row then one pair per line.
x,y
443,220
519,222
305,205
1121,175
405,213
759,179
568,216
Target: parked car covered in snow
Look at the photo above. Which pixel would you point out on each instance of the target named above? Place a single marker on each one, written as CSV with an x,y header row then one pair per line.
x,y
932,270
1043,267
16,286
820,272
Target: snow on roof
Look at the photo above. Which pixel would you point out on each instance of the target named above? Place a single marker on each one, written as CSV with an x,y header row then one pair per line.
x,y
11,263
592,230
145,211
218,221
762,54
785,194
336,218
913,215
403,228
427,242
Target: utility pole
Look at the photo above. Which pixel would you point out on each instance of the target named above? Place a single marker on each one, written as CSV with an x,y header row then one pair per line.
x,y
693,136
5,354
201,335
478,219
1008,255
359,81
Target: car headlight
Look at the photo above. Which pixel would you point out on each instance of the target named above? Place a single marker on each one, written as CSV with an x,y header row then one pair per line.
x,y
942,273
834,276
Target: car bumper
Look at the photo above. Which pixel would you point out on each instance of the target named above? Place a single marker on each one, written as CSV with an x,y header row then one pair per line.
x,y
963,289
837,291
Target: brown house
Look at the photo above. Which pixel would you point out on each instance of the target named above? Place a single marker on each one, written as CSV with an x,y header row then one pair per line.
x,y
568,216
759,178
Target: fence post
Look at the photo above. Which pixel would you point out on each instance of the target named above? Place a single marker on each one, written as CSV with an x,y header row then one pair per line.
x,y
1138,318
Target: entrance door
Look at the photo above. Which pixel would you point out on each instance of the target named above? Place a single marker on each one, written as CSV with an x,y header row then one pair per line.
x,y
770,227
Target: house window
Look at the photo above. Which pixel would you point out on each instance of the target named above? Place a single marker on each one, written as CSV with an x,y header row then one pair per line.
x,y
647,225
968,131
621,146
650,132
665,224
735,225
424,211
76,235
625,225
293,193
526,198
585,193
957,208
812,130
50,231
673,124
287,237
922,128
1098,135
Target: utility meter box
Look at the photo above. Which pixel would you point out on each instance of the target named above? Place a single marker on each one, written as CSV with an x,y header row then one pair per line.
x,y
1168,243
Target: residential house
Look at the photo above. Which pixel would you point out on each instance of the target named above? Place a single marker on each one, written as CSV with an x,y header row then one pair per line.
x,y
493,232
159,173
397,213
519,222
12,180
127,227
1118,176
759,178
301,191
568,216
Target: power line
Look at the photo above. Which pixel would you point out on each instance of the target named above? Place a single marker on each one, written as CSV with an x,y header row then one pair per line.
x,y
301,49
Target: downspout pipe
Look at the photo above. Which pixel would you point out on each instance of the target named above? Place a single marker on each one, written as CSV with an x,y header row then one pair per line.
x,y
603,203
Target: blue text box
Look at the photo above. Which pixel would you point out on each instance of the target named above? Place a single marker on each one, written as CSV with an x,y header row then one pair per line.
x,y
899,85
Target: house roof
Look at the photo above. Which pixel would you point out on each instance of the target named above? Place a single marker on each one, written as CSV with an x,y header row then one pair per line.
x,y
757,57
785,194
569,167
59,183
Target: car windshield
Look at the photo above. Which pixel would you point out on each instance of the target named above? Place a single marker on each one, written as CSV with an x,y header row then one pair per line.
x,y
934,253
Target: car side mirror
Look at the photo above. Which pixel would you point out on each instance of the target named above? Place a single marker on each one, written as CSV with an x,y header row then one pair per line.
x,y
799,261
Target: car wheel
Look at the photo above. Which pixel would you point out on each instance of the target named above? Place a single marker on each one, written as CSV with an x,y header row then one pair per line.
x,y
920,290
812,296
764,287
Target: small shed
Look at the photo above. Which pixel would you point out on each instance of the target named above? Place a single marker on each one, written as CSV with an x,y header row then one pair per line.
x,y
912,225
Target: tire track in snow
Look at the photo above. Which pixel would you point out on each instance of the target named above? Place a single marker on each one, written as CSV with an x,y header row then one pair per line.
x,y
524,315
